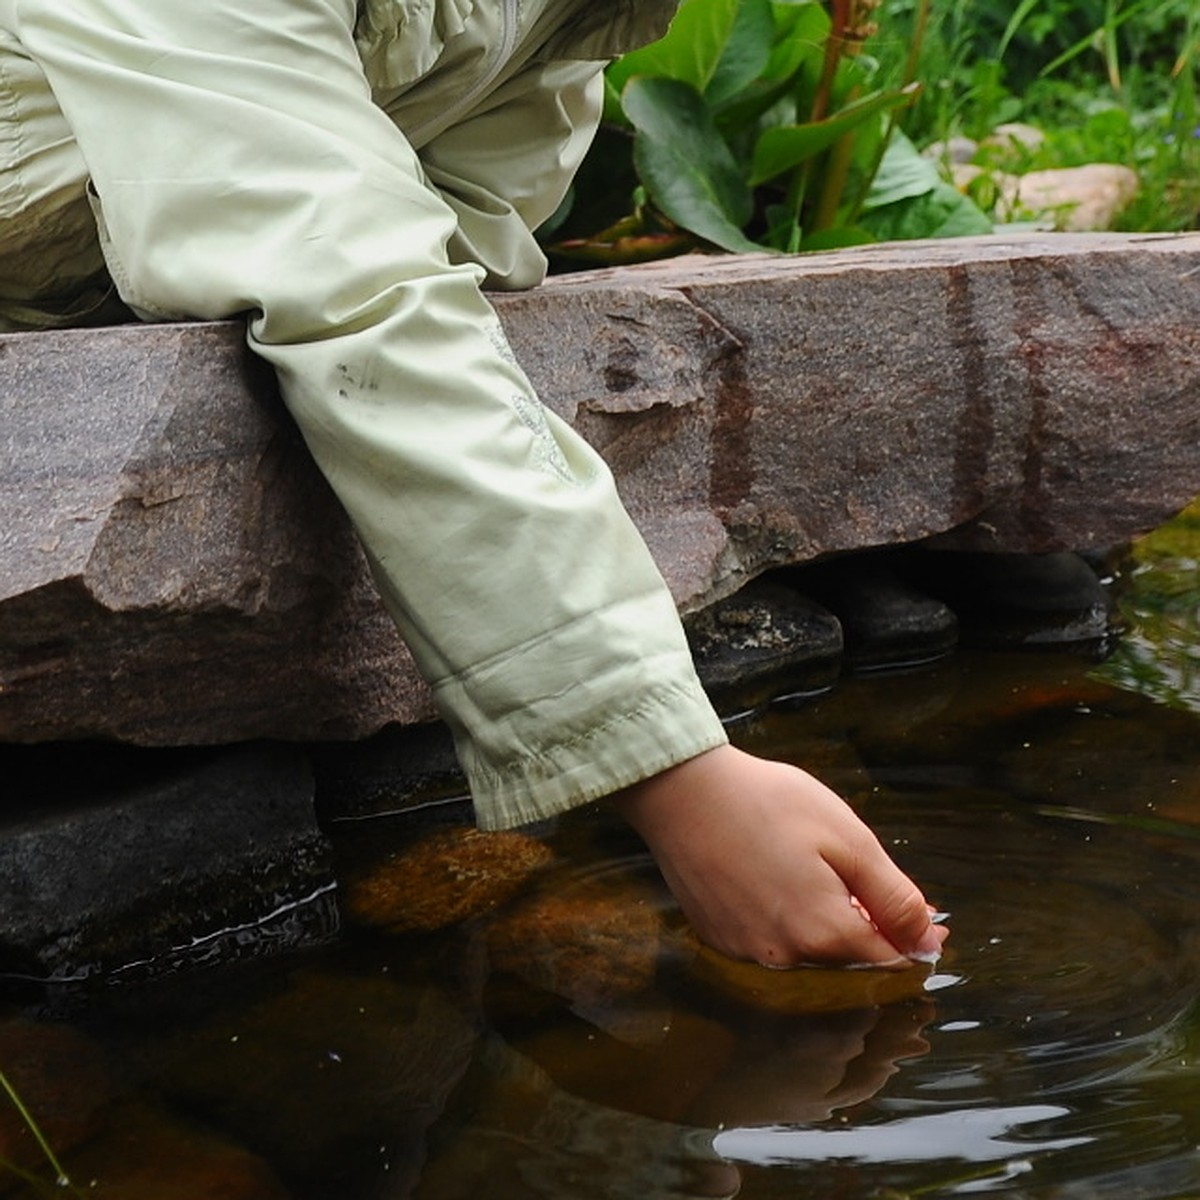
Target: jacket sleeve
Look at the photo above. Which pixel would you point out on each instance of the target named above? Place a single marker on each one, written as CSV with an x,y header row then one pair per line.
x,y
240,166
505,168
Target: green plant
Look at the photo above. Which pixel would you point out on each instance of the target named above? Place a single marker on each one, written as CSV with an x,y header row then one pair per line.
x,y
61,1179
1106,80
1039,38
764,124
1156,595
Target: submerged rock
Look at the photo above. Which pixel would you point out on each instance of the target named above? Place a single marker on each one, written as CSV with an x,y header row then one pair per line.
x,y
334,1075
148,1154
108,1143
803,990
522,1132
446,877
594,943
62,1078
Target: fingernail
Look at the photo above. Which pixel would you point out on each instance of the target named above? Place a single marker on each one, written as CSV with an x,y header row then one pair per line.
x,y
928,949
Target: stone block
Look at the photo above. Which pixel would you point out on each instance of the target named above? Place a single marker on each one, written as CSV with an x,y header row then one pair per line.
x,y
123,872
173,570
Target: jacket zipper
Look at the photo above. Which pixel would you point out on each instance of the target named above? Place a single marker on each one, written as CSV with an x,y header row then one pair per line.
x,y
509,18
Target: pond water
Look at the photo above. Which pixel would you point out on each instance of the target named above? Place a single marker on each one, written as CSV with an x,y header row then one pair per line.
x,y
573,1042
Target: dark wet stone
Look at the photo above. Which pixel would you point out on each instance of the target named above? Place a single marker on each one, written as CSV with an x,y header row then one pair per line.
x,y
398,769
446,877
765,638
885,620
1021,599
205,857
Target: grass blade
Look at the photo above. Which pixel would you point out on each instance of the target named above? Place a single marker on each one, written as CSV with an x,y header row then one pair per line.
x,y
61,1177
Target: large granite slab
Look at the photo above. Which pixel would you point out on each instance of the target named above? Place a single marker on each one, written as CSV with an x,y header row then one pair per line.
x,y
173,570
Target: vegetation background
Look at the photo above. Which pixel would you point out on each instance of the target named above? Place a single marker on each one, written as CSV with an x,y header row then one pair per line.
x,y
797,124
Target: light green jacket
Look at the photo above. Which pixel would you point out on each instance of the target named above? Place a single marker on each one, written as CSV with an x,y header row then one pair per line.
x,y
350,177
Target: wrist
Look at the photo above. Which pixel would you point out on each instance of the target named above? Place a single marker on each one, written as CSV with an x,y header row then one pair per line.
x,y
653,803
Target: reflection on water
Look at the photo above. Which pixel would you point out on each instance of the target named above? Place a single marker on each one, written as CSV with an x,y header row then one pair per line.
x,y
1161,655
977,1135
575,1042
1052,1053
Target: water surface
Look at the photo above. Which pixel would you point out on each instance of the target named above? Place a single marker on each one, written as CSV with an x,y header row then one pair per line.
x,y
1051,809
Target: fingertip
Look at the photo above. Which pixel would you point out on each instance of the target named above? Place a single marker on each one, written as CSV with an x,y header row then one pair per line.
x,y
929,948
902,916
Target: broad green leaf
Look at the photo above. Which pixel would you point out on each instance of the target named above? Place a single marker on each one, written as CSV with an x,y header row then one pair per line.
x,y
781,148
909,199
793,66
691,49
903,173
800,32
746,53
941,212
783,229
684,162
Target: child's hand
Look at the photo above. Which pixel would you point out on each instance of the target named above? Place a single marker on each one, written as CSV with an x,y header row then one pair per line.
x,y
768,864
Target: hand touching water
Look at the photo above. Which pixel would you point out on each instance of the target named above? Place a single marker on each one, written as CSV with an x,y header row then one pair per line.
x,y
768,864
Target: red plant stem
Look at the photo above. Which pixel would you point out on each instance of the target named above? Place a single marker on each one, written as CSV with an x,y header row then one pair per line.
x,y
840,15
